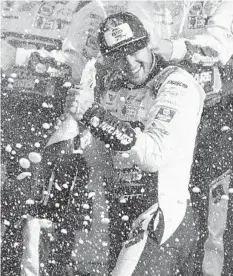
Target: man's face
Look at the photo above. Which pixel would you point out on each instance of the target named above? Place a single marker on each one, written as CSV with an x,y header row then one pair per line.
x,y
135,66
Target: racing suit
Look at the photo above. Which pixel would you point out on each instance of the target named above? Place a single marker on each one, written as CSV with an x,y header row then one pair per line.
x,y
154,174
201,35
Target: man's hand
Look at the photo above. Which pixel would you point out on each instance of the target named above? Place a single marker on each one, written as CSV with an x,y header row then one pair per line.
x,y
78,101
164,48
8,55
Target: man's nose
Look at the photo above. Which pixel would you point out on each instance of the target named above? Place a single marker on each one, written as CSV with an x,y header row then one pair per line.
x,y
131,61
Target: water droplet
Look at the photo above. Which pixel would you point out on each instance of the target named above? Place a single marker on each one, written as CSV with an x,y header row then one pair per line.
x,y
24,163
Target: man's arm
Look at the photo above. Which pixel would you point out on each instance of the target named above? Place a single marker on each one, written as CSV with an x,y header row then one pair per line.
x,y
218,36
177,109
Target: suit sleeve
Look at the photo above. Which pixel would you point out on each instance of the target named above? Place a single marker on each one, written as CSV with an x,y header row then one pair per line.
x,y
80,44
218,36
177,109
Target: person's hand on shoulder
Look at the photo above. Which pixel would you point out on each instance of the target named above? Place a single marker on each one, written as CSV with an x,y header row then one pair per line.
x,y
8,55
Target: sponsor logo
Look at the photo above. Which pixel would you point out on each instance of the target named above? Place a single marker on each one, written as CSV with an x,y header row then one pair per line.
x,y
44,23
196,22
165,114
124,138
24,83
129,176
46,9
10,16
27,7
203,77
178,83
118,34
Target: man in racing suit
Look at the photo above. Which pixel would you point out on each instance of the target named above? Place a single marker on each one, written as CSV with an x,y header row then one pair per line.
x,y
197,35
148,119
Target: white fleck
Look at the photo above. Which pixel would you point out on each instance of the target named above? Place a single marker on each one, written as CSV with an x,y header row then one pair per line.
x,y
87,217
32,129
107,146
105,220
6,222
64,231
122,99
78,151
125,218
13,152
46,126
123,199
37,144
10,80
18,145
14,75
45,105
176,240
231,190
37,81
30,201
57,205
65,186
81,241
104,243
8,148
196,190
24,163
86,206
225,128
225,197
67,84
35,157
91,194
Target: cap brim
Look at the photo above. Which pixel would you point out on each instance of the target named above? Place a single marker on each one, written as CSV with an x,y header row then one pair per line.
x,y
128,47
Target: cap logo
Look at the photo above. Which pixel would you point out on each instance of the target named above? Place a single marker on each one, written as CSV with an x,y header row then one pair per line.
x,y
120,33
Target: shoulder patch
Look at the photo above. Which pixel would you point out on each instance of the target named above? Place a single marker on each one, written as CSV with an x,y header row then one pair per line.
x,y
165,114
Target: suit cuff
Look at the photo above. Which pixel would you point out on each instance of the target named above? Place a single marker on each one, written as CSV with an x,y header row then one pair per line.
x,y
179,49
22,56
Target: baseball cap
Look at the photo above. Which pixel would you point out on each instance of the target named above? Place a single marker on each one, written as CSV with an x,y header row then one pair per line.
x,y
122,32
